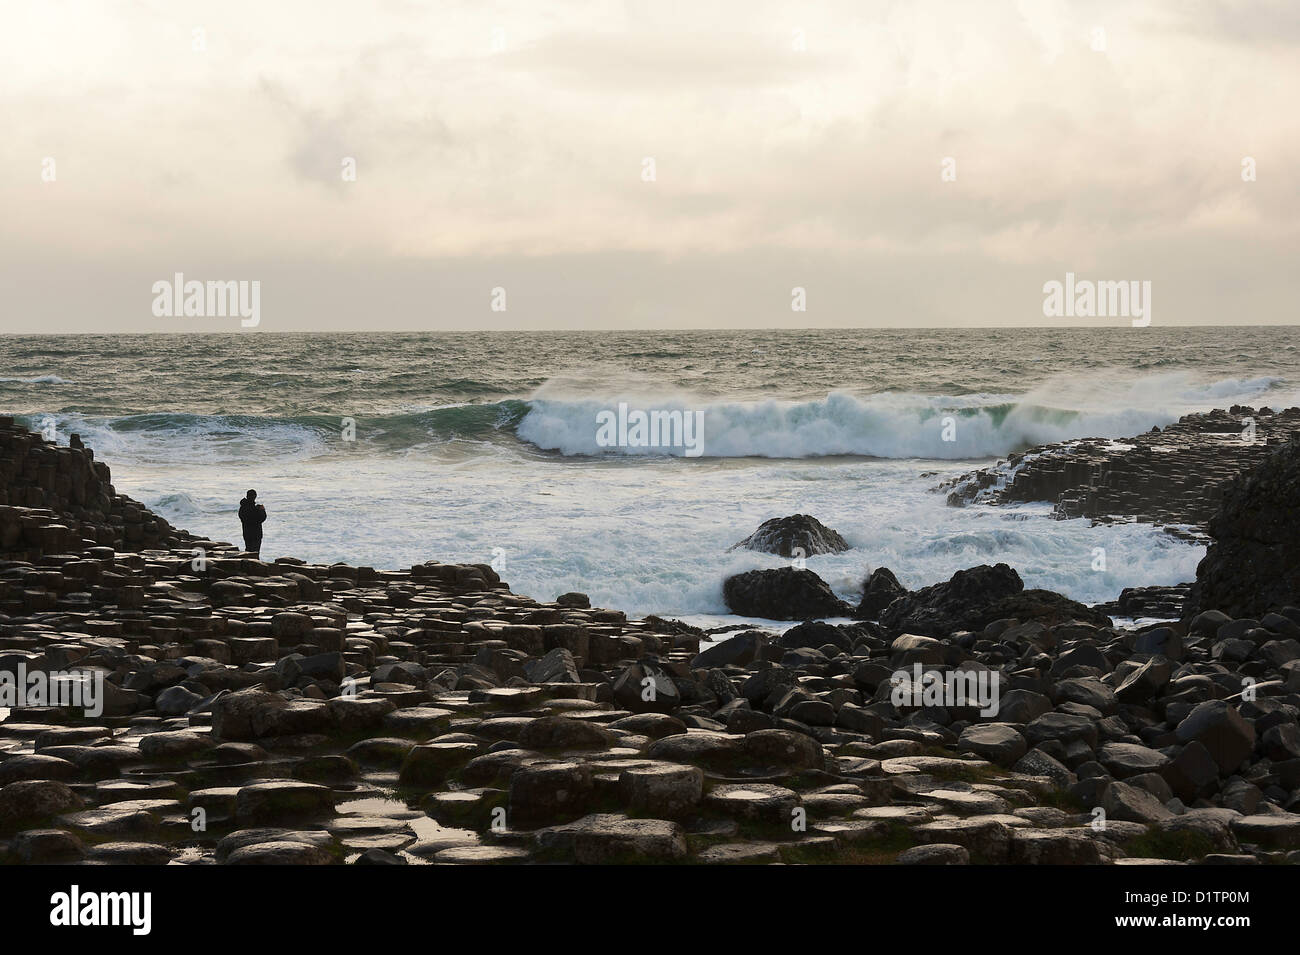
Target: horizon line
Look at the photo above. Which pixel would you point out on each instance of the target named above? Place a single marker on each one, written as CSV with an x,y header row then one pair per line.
x,y
508,331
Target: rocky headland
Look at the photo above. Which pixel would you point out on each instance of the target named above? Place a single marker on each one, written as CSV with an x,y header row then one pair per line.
x,y
1175,476
261,712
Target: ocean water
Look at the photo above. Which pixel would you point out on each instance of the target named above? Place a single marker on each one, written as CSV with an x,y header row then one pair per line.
x,y
484,446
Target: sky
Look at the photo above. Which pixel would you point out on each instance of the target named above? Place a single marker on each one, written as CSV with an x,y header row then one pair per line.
x,y
645,164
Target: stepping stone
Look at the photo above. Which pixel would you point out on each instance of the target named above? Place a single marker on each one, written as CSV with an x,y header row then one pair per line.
x,y
247,837
423,721
661,789
46,845
174,745
36,766
386,841
432,844
481,855
509,698
941,765
701,748
908,815
852,831
32,799
1273,832
988,837
1132,804
1000,743
756,802
1054,847
740,853
281,853
62,736
119,790
280,798
821,805
380,751
564,733
545,791
603,839
100,824
503,728
1123,760
935,854
466,807
130,853
968,803
432,762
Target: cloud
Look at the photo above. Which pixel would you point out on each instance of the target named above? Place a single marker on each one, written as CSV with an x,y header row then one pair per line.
x,y
491,160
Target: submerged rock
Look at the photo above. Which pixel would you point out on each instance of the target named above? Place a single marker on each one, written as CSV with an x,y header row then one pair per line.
x,y
798,536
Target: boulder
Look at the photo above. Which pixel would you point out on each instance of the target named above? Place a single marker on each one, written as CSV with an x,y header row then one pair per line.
x,y
783,593
878,592
1217,726
782,535
646,687
1128,803
559,732
999,743
246,714
736,650
34,799
943,608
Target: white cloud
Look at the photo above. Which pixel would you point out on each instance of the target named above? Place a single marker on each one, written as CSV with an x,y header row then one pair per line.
x,y
470,158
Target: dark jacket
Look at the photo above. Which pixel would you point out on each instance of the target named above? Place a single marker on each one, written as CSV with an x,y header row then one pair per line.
x,y
252,516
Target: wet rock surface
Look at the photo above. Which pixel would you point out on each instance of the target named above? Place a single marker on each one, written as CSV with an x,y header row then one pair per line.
x,y
798,536
1172,476
783,593
977,596
283,713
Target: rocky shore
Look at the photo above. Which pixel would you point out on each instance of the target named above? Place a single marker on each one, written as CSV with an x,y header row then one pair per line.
x,y
283,713
1171,476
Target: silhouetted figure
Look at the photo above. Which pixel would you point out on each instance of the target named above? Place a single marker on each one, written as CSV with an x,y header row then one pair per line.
x,y
252,515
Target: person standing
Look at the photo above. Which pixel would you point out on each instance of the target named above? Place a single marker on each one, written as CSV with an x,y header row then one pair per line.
x,y
252,515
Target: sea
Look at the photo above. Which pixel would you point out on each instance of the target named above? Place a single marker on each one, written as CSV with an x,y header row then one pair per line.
x,y
387,449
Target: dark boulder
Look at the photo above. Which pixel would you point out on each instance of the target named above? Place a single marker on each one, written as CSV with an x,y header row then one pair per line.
x,y
814,635
878,592
976,597
943,608
781,535
1044,606
783,593
739,650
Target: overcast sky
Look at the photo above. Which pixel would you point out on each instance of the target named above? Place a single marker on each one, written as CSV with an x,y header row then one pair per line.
x,y
506,145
